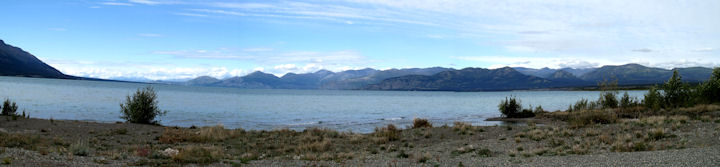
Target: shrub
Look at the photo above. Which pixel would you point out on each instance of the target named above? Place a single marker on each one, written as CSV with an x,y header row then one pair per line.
x,y
142,107
80,149
709,91
9,108
676,92
421,123
385,134
539,110
511,108
582,105
583,118
627,102
653,99
608,99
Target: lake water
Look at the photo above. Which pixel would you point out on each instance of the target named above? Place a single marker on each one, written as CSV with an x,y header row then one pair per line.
x,y
345,110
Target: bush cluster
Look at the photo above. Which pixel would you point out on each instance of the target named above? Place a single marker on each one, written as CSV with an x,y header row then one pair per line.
x,y
9,108
675,93
670,95
511,108
142,107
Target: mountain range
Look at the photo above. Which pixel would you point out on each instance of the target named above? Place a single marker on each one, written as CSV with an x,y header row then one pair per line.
x,y
17,62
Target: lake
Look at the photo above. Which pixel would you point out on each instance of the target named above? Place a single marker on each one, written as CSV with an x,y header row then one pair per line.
x,y
345,110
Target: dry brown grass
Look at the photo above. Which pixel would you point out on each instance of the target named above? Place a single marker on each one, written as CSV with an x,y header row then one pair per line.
x,y
315,146
199,154
203,135
386,134
28,141
463,128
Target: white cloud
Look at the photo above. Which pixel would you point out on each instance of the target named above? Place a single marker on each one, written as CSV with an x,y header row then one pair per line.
x,y
190,14
116,4
152,35
257,49
270,56
708,49
146,2
590,27
153,71
645,50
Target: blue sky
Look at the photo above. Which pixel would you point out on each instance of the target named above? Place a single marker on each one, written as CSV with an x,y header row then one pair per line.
x,y
172,39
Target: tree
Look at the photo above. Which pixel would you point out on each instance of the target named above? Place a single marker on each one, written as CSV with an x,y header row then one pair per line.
x,y
142,107
9,108
608,98
653,99
710,91
511,108
627,102
676,92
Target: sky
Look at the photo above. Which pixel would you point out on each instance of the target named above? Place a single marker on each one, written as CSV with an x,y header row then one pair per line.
x,y
182,39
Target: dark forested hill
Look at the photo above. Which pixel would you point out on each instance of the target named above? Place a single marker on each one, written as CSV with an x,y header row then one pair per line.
x,y
17,62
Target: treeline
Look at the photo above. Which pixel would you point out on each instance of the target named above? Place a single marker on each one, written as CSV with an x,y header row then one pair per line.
x,y
672,94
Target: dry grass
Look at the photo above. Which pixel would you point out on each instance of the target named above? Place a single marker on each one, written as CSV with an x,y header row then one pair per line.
x,y
203,135
422,157
199,154
386,134
315,146
463,128
28,141
585,117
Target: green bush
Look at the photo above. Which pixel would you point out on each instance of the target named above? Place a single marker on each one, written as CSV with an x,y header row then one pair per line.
x,y
677,93
653,99
9,108
608,99
709,91
511,108
627,102
583,105
80,149
141,107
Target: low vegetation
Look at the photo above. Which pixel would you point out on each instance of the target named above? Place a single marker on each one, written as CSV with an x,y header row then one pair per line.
x,y
9,108
512,108
421,123
142,107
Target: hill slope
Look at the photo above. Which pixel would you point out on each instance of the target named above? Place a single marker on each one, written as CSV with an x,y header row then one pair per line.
x,y
17,62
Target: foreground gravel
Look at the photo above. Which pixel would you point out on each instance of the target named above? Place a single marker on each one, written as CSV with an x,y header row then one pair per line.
x,y
707,156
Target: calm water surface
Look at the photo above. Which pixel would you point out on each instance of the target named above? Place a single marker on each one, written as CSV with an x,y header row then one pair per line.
x,y
358,111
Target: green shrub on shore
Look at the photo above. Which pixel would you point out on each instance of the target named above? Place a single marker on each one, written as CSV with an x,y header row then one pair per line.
x,y
608,98
9,108
627,102
676,92
653,99
141,107
511,108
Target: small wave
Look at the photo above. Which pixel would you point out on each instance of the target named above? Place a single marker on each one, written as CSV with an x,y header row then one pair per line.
x,y
305,123
392,118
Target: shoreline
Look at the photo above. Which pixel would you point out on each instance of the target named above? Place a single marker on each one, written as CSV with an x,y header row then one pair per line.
x,y
78,143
